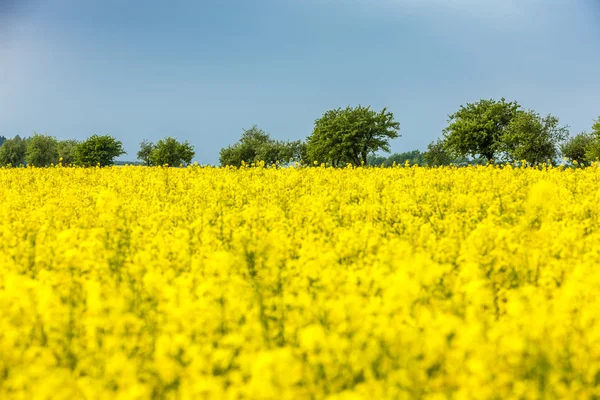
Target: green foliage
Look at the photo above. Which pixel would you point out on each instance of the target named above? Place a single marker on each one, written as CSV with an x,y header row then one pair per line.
x,y
375,160
413,157
246,149
2,140
257,145
349,135
41,150
66,151
13,151
171,152
575,148
437,154
145,152
280,151
592,150
126,162
596,128
98,150
476,129
532,138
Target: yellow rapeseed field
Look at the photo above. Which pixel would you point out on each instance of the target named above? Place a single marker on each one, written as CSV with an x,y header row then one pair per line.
x,y
300,283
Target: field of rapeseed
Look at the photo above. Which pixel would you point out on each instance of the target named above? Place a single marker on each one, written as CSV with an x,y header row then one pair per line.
x,y
260,283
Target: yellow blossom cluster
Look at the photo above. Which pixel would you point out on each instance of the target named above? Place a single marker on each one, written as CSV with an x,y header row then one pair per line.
x,y
300,283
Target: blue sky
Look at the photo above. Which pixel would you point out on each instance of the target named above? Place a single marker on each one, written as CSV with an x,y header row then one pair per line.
x,y
204,70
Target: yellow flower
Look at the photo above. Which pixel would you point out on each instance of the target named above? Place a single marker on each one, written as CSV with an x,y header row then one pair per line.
x,y
285,283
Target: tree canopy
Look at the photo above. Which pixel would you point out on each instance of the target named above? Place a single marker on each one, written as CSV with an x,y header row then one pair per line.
x,y
66,151
98,150
413,157
574,148
485,130
257,145
349,135
41,150
476,128
533,138
13,151
584,147
437,155
169,151
596,128
592,150
146,148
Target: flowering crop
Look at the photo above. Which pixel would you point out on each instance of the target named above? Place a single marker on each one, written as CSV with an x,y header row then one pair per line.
x,y
262,283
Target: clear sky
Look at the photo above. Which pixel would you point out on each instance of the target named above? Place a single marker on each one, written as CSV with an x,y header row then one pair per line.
x,y
203,70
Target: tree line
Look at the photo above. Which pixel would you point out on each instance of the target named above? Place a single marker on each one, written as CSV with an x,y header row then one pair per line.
x,y
97,150
481,132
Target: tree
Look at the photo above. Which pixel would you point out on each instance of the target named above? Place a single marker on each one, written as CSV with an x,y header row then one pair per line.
x,y
530,137
596,128
257,145
170,152
66,151
349,135
246,149
280,151
2,140
146,148
575,148
375,160
476,129
437,154
584,146
413,157
592,151
41,151
13,151
98,150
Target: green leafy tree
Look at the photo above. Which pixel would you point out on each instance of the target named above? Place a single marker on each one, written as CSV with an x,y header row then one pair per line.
x,y
349,135
596,128
145,152
294,151
532,138
257,145
592,151
413,157
41,151
437,154
476,129
376,160
66,151
279,151
2,140
98,150
171,152
13,151
247,149
575,148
